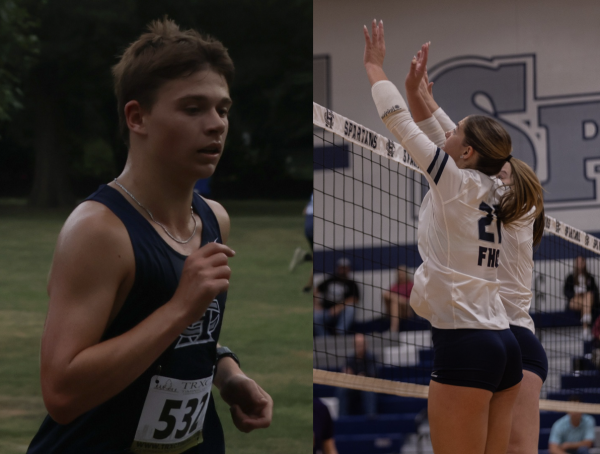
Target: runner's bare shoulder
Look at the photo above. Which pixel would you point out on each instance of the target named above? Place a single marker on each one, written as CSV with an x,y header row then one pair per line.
x,y
93,243
222,218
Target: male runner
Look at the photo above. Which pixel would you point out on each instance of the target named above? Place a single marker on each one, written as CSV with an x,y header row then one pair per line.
x,y
139,276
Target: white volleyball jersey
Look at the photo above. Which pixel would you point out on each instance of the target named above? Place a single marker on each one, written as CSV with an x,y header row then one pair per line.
x,y
458,236
515,273
516,257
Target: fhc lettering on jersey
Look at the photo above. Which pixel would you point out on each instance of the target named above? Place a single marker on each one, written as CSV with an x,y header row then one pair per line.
x,y
492,256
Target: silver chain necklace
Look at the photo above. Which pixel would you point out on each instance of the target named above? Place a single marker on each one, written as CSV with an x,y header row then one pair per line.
x,y
156,222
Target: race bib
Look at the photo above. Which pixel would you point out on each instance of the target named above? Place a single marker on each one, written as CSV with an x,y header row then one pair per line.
x,y
173,415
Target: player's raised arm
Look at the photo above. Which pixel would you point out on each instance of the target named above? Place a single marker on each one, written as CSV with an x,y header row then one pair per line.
x,y
426,91
393,110
390,105
431,127
437,126
374,52
415,75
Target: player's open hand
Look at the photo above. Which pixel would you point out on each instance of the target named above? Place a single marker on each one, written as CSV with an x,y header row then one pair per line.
x,y
425,87
375,45
251,407
425,90
428,84
205,274
418,66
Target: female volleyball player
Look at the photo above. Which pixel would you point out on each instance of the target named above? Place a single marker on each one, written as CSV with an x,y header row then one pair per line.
x,y
477,363
515,274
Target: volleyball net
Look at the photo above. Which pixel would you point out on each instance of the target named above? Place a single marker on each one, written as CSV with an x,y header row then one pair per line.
x,y
367,195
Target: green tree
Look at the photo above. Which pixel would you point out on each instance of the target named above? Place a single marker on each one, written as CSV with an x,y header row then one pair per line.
x,y
70,92
71,110
18,46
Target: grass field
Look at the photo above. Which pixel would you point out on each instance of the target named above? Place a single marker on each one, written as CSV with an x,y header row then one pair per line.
x,y
267,322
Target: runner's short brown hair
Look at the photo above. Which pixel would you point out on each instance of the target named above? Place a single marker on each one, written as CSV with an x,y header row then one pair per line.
x,y
164,53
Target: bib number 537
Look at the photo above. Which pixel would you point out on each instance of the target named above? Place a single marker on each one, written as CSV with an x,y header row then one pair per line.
x,y
173,415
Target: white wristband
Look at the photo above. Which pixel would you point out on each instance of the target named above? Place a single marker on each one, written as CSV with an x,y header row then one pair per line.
x,y
387,98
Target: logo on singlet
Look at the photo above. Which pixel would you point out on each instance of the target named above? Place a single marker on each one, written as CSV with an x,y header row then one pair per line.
x,y
201,332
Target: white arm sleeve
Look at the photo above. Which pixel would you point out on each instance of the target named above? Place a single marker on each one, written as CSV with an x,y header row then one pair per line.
x,y
433,130
444,120
440,171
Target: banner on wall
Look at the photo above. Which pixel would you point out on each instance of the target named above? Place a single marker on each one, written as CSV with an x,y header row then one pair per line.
x,y
557,136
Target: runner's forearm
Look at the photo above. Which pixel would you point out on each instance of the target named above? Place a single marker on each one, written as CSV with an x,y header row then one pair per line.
x,y
100,372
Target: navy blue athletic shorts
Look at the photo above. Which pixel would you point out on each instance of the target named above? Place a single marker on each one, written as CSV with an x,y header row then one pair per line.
x,y
476,358
532,353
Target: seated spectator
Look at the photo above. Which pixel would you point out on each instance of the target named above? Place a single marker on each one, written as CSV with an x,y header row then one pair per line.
x,y
582,293
397,299
334,301
361,363
323,442
572,434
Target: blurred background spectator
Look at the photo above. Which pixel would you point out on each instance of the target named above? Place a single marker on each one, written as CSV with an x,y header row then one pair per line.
x,y
573,433
334,301
361,363
582,293
397,299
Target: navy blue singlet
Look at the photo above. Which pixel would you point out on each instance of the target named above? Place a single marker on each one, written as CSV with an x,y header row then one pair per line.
x,y
110,428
